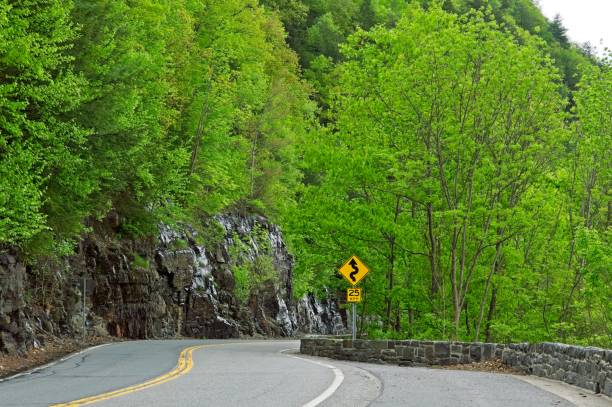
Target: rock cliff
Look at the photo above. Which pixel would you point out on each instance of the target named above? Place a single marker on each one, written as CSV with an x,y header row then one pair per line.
x,y
229,279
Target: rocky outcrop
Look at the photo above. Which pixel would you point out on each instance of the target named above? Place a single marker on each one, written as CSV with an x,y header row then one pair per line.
x,y
241,284
15,331
126,291
231,278
319,316
35,302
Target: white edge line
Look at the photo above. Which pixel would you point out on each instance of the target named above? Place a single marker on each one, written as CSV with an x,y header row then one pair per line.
x,y
55,362
338,379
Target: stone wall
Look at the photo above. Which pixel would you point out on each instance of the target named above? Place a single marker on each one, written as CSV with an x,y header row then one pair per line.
x,y
589,368
586,367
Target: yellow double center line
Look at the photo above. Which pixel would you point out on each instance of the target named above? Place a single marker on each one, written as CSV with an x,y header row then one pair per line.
x,y
185,364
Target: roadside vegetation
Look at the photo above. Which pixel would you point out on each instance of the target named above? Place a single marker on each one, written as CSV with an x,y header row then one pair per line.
x,y
460,148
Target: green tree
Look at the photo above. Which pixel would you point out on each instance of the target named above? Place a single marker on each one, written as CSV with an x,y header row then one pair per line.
x,y
125,50
247,109
440,141
558,31
589,207
42,178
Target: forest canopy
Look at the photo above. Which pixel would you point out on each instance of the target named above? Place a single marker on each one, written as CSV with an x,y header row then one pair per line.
x,y
461,148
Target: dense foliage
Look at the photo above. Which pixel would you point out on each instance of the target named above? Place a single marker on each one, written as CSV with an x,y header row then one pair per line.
x,y
461,148
142,108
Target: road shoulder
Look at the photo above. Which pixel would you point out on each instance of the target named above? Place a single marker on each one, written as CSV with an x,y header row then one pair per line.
x,y
575,395
12,367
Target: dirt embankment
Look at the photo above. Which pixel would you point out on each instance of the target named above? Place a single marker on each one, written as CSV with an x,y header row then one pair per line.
x,y
54,349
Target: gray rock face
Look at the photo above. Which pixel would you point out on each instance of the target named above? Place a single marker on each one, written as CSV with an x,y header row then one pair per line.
x,y
207,286
31,304
235,282
14,328
319,316
128,293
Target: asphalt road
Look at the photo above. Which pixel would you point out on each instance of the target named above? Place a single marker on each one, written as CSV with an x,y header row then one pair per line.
x,y
257,373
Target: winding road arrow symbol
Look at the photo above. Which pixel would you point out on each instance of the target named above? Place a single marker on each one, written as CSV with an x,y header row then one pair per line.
x,y
355,271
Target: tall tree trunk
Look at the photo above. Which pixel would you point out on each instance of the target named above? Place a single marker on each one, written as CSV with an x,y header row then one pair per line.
x,y
490,314
585,211
391,269
435,284
390,281
364,306
410,322
398,318
197,140
492,271
454,284
253,161
467,318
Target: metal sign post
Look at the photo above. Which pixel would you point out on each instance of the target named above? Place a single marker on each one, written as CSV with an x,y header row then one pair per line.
x,y
354,321
353,295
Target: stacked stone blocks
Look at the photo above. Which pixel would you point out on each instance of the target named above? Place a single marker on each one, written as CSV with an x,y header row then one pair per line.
x,y
586,367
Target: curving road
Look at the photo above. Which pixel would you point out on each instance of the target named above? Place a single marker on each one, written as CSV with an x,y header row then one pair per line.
x,y
255,373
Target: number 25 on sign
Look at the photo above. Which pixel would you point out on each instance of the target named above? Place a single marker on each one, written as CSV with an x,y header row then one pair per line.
x,y
353,294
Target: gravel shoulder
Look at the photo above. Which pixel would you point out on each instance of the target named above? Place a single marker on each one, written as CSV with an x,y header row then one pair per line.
x,y
54,348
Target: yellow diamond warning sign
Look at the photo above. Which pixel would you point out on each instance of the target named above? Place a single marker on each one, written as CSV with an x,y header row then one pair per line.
x,y
353,294
353,270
